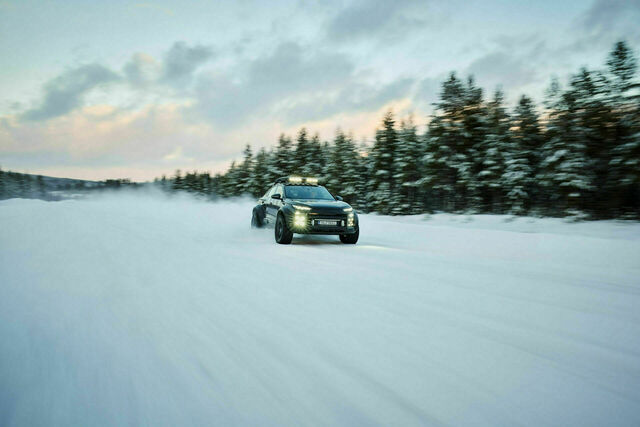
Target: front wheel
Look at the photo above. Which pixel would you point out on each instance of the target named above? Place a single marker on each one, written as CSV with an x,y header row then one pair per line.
x,y
282,232
350,239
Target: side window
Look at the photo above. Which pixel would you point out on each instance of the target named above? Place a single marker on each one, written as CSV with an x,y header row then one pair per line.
x,y
278,189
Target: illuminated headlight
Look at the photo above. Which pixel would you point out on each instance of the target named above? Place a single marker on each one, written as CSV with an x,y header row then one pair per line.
x,y
351,220
300,220
349,209
301,208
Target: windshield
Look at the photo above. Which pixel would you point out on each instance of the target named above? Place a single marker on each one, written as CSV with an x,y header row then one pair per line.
x,y
307,192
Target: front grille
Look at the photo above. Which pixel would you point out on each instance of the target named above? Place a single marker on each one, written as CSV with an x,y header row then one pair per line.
x,y
341,218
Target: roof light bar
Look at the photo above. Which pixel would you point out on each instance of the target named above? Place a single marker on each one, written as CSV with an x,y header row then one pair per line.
x,y
300,180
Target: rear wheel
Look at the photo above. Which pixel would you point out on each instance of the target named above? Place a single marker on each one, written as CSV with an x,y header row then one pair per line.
x,y
256,221
282,232
350,239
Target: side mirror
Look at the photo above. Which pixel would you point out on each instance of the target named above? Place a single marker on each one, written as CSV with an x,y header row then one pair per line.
x,y
276,196
339,198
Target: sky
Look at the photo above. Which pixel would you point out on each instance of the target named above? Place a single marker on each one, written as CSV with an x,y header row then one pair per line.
x,y
126,89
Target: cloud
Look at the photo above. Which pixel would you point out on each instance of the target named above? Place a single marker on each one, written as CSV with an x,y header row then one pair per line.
x,y
177,155
501,68
427,91
379,18
105,135
181,61
605,22
65,92
155,8
269,80
141,69
292,84
352,97
605,15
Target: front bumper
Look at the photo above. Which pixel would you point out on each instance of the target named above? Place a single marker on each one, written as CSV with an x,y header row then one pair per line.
x,y
310,225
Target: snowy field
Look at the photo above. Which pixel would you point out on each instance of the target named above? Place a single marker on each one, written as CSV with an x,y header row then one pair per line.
x,y
122,311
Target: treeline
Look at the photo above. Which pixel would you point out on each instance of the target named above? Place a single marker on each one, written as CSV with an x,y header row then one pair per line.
x,y
22,185
28,186
578,154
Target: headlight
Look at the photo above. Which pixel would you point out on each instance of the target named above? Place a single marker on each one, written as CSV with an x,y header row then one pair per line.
x,y
349,209
351,220
301,208
300,220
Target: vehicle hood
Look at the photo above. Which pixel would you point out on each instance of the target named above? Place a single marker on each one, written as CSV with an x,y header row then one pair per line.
x,y
322,206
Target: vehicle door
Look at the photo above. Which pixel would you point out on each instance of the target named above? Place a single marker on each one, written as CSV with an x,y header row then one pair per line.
x,y
266,203
262,202
274,204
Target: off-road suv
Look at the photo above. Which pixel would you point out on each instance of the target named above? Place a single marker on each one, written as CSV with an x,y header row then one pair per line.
x,y
299,205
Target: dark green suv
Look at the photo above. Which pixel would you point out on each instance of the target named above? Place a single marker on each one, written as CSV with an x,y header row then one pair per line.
x,y
300,205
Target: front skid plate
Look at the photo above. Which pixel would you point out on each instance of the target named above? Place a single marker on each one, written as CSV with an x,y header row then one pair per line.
x,y
326,232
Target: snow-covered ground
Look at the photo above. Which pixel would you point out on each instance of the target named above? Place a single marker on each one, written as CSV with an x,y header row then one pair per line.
x,y
124,311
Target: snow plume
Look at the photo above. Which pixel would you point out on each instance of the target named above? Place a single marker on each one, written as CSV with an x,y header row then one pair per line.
x,y
139,309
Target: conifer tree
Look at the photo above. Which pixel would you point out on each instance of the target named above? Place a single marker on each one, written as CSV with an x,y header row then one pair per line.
x,y
244,172
522,158
41,188
177,181
342,173
382,183
492,159
316,161
363,175
217,185
273,172
471,153
594,133
625,152
325,149
259,175
564,169
301,155
407,169
444,157
283,162
336,165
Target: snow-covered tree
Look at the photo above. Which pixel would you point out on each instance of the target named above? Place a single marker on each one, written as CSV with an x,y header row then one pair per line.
x,y
316,161
301,155
492,154
259,180
244,173
283,162
342,169
446,162
522,158
625,151
472,151
382,182
407,169
564,170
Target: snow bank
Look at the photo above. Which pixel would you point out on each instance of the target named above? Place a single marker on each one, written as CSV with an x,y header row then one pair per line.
x,y
130,310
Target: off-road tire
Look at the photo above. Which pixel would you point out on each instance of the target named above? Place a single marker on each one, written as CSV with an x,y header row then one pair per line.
x,y
350,239
282,233
256,221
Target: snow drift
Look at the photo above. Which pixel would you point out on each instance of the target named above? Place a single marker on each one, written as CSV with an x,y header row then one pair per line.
x,y
124,310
